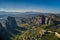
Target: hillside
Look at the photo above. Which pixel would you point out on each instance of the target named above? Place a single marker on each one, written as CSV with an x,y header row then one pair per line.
x,y
37,27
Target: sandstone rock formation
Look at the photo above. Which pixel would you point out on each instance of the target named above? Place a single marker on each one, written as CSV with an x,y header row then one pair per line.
x,y
39,19
11,23
48,20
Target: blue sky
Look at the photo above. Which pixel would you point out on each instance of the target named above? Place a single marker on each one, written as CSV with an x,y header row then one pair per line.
x,y
49,6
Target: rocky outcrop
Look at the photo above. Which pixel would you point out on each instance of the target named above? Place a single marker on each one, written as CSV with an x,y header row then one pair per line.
x,y
3,33
57,34
10,23
41,19
48,20
12,26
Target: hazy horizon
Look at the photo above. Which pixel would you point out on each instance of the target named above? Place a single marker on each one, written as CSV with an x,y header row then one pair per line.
x,y
44,6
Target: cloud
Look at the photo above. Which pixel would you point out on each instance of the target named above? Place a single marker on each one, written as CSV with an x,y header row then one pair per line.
x,y
29,10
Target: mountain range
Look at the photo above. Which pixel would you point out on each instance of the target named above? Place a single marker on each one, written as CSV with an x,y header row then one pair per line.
x,y
15,25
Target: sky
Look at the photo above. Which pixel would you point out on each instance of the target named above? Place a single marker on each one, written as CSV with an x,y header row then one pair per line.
x,y
44,6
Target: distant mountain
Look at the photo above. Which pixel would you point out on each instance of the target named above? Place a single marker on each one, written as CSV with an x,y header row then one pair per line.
x,y
17,14
3,14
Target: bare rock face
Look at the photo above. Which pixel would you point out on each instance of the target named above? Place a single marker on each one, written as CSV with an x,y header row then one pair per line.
x,y
3,33
2,30
39,20
1,27
12,26
48,20
11,23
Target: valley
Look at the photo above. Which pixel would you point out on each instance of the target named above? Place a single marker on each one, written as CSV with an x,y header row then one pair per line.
x,y
30,27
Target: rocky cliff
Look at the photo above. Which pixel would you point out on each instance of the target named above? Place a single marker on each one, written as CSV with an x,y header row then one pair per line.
x,y
41,19
10,28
